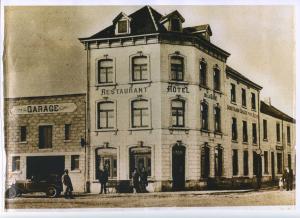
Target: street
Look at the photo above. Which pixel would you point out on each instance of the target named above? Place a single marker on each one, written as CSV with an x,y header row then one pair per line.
x,y
158,199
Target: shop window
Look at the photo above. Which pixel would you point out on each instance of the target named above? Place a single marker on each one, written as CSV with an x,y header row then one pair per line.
x,y
217,79
265,130
67,131
235,162
234,129
139,68
139,113
203,73
45,136
105,115
106,158
244,98
205,161
105,71
232,93
177,68
254,134
15,163
178,110
253,101
218,161
140,157
245,131
266,162
217,114
204,115
278,132
279,163
288,133
246,163
75,162
23,134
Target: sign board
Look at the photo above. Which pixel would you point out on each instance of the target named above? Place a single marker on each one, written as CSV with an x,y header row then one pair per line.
x,y
44,108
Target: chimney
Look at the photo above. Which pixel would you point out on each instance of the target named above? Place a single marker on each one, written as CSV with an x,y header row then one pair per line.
x,y
267,100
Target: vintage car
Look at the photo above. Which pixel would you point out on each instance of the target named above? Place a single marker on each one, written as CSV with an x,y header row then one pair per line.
x,y
51,185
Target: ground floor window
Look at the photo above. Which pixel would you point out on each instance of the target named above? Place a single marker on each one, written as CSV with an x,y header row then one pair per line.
x,y
140,157
255,165
235,166
106,158
16,163
289,161
246,163
219,161
266,162
279,163
75,162
205,161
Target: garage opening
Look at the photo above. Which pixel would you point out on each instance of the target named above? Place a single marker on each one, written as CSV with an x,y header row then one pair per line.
x,y
43,166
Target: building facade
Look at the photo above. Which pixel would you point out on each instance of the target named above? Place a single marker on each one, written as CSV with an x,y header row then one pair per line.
x,y
42,137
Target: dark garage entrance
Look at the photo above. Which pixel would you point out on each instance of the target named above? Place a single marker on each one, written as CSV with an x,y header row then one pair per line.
x,y
42,166
178,167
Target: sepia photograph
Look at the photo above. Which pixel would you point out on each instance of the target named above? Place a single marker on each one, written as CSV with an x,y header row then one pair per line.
x,y
149,106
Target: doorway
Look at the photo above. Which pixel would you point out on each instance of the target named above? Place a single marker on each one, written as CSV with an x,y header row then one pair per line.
x,y
178,167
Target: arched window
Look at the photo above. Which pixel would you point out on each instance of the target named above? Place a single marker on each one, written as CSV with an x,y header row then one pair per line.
x,y
203,72
205,161
105,71
139,113
140,68
218,161
178,110
217,79
204,115
105,115
217,116
177,68
140,157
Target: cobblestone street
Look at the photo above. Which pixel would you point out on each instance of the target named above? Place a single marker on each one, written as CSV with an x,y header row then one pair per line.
x,y
162,199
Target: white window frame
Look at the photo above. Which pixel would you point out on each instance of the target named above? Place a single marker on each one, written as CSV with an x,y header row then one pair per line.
x,y
131,57
115,116
105,57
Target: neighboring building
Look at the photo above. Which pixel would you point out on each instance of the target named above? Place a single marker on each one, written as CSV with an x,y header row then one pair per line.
x,y
42,137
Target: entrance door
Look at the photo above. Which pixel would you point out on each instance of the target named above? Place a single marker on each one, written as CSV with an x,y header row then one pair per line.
x,y
272,166
42,166
178,167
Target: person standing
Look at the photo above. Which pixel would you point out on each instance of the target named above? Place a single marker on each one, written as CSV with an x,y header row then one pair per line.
x,y
103,179
144,180
136,181
66,180
286,177
291,179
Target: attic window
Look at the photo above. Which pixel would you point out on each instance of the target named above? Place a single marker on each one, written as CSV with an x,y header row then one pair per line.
x,y
175,25
123,26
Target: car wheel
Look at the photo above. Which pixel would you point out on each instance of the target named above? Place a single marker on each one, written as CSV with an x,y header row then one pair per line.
x,y
11,192
52,192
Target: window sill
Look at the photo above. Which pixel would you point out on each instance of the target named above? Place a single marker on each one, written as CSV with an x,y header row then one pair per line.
x,y
253,109
233,102
254,144
140,82
105,84
76,171
23,142
67,141
218,91
218,133
186,130
16,172
265,140
245,107
106,130
205,130
204,86
245,143
140,129
179,82
234,141
45,149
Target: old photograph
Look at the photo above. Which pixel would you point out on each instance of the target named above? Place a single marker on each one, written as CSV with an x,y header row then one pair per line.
x,y
149,106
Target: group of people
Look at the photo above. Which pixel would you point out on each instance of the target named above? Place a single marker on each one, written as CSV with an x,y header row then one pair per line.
x,y
140,180
287,180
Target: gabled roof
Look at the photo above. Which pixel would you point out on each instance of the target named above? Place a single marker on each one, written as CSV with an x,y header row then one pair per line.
x,y
199,29
240,77
172,14
274,112
117,18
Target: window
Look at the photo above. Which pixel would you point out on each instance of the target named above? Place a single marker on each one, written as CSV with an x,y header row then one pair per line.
x,y
204,115
140,157
244,99
203,72
288,132
75,162
106,158
266,162
255,163
254,134
105,118
235,167
253,101
245,131
205,161
23,134
217,119
178,110
15,163
233,94
67,131
289,161
279,163
234,129
139,68
246,163
45,136
217,79
139,113
265,129
105,71
278,132
177,68
219,161
175,25
123,26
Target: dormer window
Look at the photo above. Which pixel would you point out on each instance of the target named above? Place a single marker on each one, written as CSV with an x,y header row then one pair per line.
x,y
173,21
123,26
175,25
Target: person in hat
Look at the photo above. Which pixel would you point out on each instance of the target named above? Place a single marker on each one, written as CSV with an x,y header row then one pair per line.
x,y
68,187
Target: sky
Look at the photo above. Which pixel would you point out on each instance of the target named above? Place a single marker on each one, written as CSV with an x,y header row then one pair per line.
x,y
45,57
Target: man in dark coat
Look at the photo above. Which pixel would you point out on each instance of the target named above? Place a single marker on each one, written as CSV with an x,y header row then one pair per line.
x,y
144,180
136,181
291,178
103,179
286,178
66,180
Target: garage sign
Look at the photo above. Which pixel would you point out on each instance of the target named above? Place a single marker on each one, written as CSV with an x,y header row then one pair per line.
x,y
44,108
